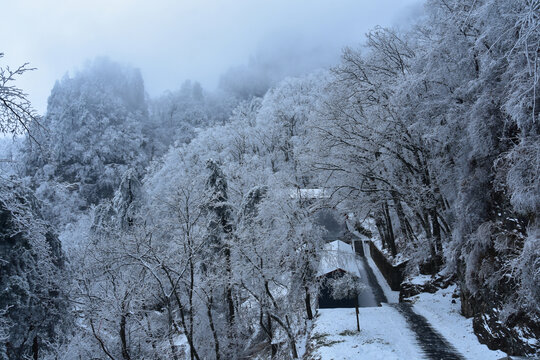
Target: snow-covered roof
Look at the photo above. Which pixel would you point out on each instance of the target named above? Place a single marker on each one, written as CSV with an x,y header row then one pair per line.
x,y
338,255
309,193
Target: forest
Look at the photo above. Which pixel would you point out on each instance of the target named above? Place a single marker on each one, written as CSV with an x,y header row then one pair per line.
x,y
176,227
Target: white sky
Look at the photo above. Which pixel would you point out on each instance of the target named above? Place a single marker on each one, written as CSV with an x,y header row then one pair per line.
x,y
171,41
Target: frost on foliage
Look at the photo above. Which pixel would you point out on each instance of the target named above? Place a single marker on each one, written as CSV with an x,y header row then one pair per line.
x,y
523,176
32,292
176,117
345,286
251,201
217,202
527,266
126,198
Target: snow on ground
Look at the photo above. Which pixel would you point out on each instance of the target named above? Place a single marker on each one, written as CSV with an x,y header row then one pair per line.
x,y
420,279
383,335
445,317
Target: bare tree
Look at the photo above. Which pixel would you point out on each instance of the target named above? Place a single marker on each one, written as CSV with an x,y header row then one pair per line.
x,y
16,112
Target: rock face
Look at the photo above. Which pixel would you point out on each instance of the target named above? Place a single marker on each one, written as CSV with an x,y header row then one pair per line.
x,y
513,339
409,289
518,335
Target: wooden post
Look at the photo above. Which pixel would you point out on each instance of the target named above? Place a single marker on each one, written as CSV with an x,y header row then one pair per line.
x,y
357,320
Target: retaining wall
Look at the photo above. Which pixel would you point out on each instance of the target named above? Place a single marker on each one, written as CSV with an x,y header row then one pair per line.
x,y
394,275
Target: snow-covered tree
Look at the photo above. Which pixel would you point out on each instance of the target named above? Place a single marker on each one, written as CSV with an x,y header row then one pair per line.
x,y
175,117
94,131
33,295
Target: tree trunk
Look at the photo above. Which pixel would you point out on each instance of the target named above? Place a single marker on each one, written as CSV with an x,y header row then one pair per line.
x,y
308,304
401,217
35,348
380,228
123,324
391,238
357,319
268,331
274,347
212,327
230,302
149,327
100,340
191,286
424,220
170,332
123,338
292,341
436,231
411,232
189,335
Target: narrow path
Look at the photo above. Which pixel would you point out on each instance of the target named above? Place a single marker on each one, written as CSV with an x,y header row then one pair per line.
x,y
432,343
372,282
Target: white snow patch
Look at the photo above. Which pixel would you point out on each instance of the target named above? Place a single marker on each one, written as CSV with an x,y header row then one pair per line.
x,y
420,279
383,335
446,318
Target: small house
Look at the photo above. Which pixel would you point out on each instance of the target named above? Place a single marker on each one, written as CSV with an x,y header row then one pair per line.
x,y
337,260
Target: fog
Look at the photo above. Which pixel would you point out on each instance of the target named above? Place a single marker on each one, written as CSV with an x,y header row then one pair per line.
x,y
171,41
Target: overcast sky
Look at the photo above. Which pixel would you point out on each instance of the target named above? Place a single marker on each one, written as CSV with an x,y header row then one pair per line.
x,y
174,40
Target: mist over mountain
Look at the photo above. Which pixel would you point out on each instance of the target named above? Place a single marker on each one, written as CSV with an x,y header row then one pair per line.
x,y
173,41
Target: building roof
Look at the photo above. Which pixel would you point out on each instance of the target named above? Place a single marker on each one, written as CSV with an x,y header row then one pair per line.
x,y
338,255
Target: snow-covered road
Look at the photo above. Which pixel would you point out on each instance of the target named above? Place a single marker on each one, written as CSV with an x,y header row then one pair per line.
x,y
373,295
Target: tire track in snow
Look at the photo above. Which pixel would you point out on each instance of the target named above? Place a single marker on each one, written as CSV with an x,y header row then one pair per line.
x,y
434,345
